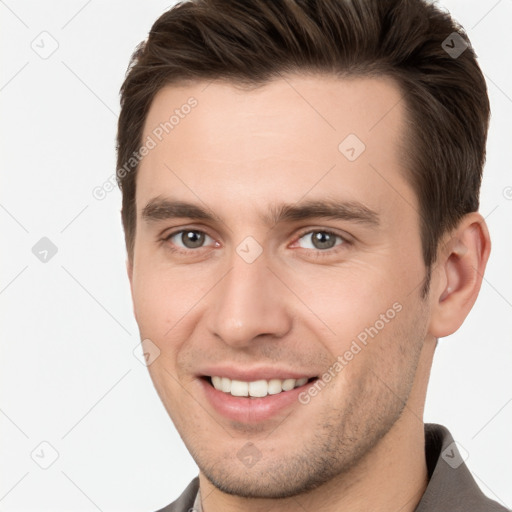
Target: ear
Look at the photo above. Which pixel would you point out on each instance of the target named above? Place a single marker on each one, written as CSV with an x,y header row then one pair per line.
x,y
457,277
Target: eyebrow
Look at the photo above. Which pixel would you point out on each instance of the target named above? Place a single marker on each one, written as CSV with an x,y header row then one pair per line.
x,y
159,208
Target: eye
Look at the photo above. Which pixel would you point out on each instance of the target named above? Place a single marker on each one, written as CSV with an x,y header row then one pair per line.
x,y
321,240
188,239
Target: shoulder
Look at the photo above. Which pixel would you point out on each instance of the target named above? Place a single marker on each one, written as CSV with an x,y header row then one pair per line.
x,y
186,500
451,486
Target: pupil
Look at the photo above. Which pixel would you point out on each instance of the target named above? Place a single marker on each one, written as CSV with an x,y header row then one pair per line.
x,y
192,239
323,240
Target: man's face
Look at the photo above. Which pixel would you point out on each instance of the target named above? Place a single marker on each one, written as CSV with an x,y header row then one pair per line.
x,y
250,295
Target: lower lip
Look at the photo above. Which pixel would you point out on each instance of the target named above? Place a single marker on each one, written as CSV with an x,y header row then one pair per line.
x,y
251,410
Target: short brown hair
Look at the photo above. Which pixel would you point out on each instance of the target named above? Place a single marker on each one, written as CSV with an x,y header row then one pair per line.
x,y
251,42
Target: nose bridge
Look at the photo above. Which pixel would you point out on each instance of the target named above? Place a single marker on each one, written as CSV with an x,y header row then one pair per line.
x,y
249,301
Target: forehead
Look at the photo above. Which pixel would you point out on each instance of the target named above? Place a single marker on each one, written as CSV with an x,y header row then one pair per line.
x,y
293,136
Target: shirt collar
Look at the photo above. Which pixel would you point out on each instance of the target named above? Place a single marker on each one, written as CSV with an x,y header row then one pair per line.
x,y
451,486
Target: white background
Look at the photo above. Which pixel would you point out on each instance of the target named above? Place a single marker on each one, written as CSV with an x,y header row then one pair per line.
x,y
68,373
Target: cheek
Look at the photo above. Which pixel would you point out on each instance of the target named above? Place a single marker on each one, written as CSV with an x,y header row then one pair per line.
x,y
160,298
167,305
381,359
365,305
349,297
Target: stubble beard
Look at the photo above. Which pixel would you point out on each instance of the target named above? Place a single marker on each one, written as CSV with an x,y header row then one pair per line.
x,y
345,432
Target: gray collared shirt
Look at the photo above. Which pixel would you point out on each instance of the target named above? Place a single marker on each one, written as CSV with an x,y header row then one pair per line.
x,y
451,486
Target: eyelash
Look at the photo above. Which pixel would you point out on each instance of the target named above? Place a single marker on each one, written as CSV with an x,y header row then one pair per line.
x,y
318,253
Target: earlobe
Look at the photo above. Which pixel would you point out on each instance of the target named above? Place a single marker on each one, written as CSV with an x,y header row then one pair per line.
x,y
458,275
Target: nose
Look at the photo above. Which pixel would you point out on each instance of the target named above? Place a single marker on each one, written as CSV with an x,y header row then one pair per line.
x,y
249,302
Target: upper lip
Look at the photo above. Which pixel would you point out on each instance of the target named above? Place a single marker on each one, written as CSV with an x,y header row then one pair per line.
x,y
254,373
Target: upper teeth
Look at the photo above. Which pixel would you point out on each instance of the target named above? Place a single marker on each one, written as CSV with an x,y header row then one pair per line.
x,y
256,388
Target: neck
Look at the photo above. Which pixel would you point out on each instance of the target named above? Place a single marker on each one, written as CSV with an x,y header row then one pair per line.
x,y
393,476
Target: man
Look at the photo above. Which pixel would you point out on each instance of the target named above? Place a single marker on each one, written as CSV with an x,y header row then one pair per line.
x,y
300,192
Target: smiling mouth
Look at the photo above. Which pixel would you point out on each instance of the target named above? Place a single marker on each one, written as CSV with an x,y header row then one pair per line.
x,y
257,388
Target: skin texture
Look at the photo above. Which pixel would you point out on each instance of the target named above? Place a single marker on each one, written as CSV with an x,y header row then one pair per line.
x,y
359,442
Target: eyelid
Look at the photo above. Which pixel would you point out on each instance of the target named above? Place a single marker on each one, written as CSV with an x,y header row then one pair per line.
x,y
166,237
168,232
346,239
